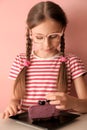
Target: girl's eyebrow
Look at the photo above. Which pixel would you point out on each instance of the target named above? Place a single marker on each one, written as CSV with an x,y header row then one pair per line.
x,y
38,33
46,34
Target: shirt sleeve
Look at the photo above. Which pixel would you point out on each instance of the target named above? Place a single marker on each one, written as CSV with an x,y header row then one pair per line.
x,y
77,67
16,67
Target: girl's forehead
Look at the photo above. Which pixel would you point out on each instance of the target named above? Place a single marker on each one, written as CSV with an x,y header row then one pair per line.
x,y
47,26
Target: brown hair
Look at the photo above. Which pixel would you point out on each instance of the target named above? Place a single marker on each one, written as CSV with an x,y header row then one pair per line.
x,y
37,15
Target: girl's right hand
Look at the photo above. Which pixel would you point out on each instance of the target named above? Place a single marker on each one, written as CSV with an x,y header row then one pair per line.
x,y
12,109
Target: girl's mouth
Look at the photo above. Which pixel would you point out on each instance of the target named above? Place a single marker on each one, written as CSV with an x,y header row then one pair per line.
x,y
49,49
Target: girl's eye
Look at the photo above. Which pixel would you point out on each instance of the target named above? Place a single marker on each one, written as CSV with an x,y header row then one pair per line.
x,y
53,36
39,37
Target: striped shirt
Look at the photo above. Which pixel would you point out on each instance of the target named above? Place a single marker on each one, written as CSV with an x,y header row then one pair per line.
x,y
42,74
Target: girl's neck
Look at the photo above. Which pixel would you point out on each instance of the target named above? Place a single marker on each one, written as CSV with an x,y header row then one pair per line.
x,y
46,56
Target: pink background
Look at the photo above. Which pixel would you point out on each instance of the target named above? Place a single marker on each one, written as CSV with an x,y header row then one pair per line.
x,y
13,15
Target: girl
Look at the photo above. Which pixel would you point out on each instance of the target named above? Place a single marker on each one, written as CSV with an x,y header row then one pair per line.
x,y
45,71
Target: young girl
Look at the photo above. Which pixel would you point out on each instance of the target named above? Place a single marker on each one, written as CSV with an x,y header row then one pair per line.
x,y
45,72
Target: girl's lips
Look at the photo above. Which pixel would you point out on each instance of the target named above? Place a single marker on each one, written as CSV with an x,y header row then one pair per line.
x,y
50,49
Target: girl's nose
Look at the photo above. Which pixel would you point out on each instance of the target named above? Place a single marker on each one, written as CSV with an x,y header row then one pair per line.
x,y
46,43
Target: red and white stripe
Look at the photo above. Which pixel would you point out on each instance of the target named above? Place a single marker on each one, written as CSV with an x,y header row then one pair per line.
x,y
42,74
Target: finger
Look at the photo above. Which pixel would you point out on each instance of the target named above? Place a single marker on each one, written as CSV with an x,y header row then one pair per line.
x,y
55,102
19,107
6,115
13,110
55,93
61,107
3,115
53,97
10,111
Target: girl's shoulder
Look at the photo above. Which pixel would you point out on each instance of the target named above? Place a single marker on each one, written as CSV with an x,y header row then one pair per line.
x,y
71,57
21,56
74,60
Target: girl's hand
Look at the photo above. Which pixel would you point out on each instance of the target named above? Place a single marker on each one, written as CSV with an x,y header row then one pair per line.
x,y
12,109
62,100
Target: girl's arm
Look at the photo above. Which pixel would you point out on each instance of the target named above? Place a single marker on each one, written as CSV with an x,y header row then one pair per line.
x,y
63,101
13,106
81,89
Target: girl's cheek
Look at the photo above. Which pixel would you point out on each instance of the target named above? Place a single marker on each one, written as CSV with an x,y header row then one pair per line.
x,y
36,47
58,47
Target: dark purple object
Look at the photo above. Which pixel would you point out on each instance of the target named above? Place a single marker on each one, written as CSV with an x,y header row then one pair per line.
x,y
42,111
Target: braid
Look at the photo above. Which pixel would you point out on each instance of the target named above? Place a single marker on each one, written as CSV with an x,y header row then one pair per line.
x,y
62,47
19,86
62,76
28,46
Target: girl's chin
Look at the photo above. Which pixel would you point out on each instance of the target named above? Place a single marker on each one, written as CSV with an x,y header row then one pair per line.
x,y
45,54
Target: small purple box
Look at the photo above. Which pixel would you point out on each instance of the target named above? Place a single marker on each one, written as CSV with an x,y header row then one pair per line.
x,y
42,111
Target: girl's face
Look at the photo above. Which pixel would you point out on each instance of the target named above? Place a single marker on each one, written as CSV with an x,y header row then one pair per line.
x,y
46,38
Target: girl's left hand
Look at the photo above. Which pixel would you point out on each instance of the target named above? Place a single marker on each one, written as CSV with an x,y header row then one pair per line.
x,y
62,100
